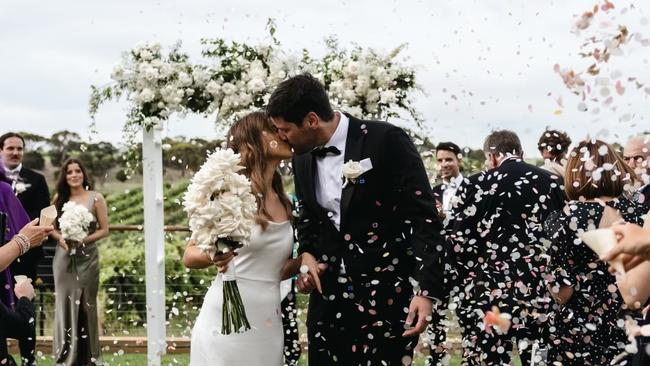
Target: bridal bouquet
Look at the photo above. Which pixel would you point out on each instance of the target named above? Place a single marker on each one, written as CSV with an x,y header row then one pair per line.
x,y
74,223
221,210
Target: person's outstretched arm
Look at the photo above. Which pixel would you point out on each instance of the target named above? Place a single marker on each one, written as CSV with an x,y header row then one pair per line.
x,y
34,234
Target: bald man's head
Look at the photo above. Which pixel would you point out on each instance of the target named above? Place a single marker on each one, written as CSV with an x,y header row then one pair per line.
x,y
637,156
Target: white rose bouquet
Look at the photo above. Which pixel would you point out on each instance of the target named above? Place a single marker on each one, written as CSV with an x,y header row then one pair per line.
x,y
221,210
74,223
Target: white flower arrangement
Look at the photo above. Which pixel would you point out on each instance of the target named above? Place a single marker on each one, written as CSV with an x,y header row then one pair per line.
x,y
19,186
219,202
222,210
352,170
241,78
74,221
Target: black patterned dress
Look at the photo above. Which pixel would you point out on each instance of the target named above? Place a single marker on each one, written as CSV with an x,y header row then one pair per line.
x,y
588,329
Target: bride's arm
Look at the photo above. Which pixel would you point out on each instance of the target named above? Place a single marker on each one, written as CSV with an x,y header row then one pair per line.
x,y
196,258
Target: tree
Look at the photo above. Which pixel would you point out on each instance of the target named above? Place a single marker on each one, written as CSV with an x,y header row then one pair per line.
x,y
98,158
183,155
62,143
33,141
33,159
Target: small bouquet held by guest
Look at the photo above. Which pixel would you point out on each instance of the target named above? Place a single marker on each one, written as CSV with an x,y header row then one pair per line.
x,y
222,210
74,223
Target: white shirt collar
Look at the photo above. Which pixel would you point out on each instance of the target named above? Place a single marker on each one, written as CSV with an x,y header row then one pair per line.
x,y
15,170
340,135
457,181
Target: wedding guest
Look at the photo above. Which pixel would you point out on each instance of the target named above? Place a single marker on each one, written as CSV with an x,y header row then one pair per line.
x,y
632,240
553,146
584,328
31,189
637,155
17,321
76,333
16,219
449,158
497,233
634,249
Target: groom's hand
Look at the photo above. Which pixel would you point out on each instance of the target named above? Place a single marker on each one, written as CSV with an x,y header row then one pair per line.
x,y
309,281
421,307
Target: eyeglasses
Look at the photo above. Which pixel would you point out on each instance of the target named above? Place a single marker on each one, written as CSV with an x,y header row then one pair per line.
x,y
637,158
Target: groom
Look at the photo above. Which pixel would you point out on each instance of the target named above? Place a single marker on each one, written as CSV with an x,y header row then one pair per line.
x,y
368,215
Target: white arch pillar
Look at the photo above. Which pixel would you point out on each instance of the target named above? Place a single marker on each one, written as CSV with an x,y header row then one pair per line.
x,y
154,243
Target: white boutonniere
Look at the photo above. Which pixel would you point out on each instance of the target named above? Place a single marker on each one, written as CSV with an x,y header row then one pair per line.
x,y
20,186
352,170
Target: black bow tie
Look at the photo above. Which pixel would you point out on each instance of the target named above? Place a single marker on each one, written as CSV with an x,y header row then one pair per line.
x,y
322,151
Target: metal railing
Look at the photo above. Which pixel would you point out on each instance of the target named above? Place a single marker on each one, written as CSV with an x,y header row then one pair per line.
x,y
122,296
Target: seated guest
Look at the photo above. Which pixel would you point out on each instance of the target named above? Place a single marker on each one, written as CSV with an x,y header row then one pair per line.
x,y
553,146
584,327
449,157
637,155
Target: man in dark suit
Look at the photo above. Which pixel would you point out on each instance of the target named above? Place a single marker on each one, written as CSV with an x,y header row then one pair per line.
x,y
498,238
31,189
449,158
371,223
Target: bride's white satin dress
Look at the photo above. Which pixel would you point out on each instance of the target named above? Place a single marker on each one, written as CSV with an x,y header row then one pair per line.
x,y
257,267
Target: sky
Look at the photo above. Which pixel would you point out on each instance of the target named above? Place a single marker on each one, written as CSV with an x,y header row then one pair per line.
x,y
481,65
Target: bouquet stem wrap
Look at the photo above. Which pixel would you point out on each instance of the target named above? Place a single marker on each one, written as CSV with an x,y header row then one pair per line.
x,y
72,252
233,317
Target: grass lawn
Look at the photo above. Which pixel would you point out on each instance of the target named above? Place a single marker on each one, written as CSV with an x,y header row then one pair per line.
x,y
184,359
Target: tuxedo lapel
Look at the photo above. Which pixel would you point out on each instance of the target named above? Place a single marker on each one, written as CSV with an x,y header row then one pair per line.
x,y
353,148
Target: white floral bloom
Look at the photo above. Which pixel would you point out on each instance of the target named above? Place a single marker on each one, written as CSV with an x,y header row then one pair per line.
x,y
219,201
352,169
201,76
352,68
228,88
372,96
213,88
350,96
74,221
387,96
146,55
184,79
244,100
256,85
118,73
145,96
336,65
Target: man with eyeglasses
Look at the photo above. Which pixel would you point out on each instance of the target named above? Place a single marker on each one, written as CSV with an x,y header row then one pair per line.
x,y
637,155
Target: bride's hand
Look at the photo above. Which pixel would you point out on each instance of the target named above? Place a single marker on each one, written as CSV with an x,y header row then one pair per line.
x,y
310,279
63,244
221,260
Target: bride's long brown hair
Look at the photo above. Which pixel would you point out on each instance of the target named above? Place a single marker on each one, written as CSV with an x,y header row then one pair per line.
x,y
245,138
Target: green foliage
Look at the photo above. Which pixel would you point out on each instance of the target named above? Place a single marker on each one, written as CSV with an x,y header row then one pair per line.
x,y
60,144
122,273
33,159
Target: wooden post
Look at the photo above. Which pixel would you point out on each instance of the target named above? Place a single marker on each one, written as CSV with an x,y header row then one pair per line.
x,y
154,243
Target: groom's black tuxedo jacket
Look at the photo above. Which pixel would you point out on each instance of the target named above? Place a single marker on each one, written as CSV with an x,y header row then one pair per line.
x,y
390,235
35,198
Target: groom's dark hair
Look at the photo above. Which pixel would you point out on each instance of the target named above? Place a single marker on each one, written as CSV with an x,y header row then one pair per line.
x,y
295,97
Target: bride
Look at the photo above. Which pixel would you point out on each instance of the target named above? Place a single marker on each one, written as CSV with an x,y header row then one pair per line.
x,y
260,266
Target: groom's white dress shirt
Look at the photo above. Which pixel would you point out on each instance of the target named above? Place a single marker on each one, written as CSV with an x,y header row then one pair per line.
x,y
448,194
328,181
